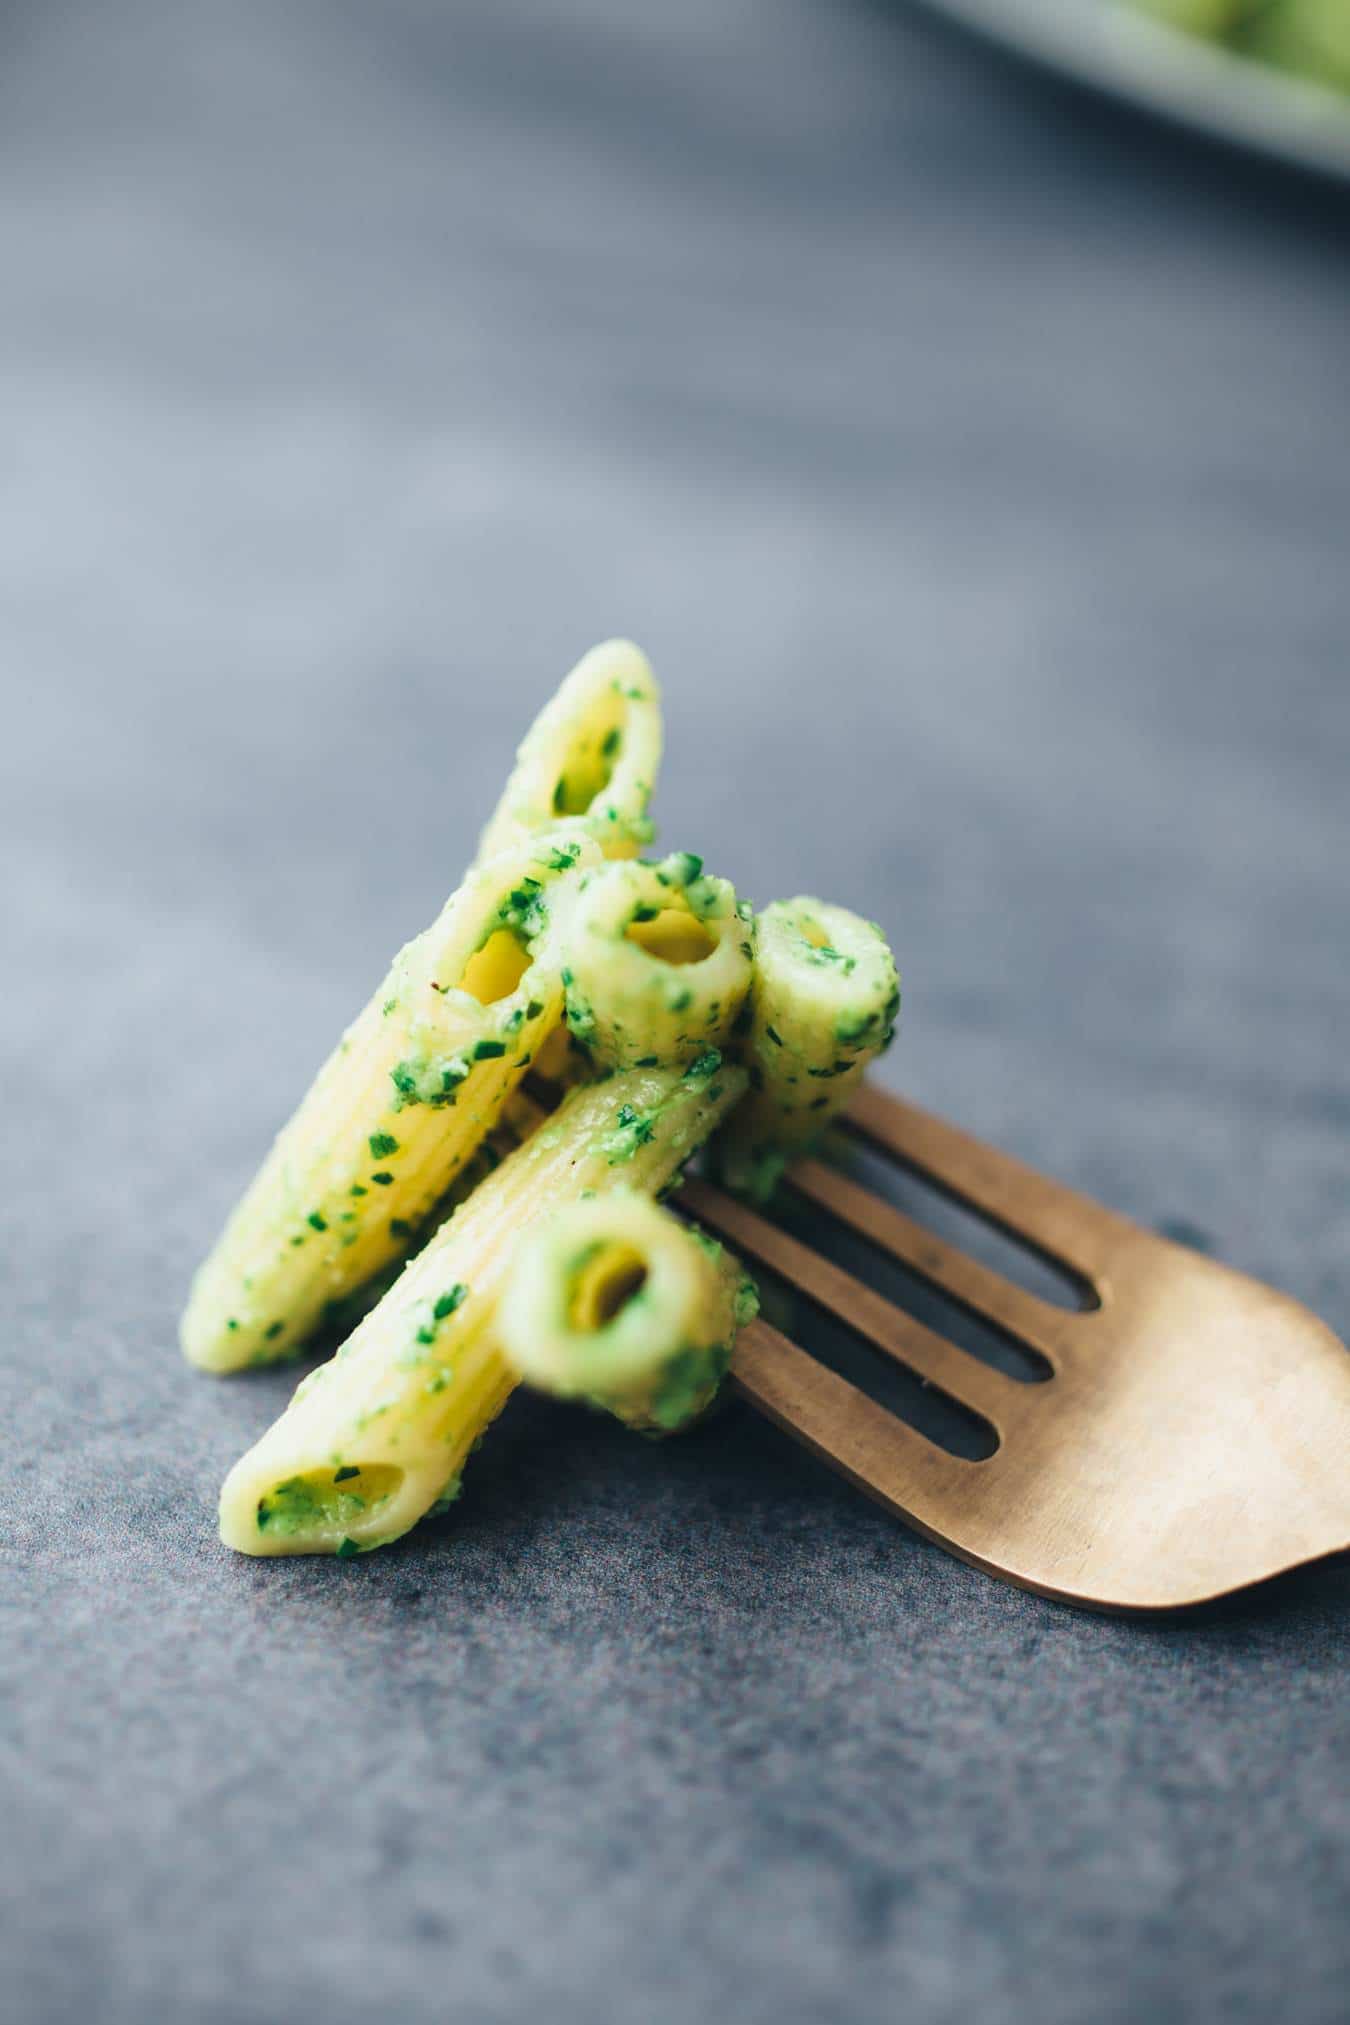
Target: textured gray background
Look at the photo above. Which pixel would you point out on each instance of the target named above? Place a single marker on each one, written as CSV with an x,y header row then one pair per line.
x,y
974,466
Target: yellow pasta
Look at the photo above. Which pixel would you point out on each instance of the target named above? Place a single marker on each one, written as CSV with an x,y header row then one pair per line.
x,y
592,753
520,1116
618,1302
822,1007
655,961
378,1436
411,1091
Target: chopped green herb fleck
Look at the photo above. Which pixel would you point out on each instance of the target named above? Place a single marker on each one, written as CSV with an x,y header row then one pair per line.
x,y
316,1220
346,1547
384,1179
347,1470
682,868
382,1144
447,1303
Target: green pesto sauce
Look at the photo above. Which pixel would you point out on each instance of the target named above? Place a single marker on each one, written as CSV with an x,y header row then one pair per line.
x,y
681,868
633,1129
524,910
296,1506
433,1080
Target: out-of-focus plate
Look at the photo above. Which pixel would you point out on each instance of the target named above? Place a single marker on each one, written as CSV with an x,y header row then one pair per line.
x,y
1114,49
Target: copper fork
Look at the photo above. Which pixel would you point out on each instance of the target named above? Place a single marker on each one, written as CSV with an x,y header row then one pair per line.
x,y
1193,1437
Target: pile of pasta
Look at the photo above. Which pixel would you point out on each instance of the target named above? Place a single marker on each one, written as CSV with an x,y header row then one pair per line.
x,y
472,1192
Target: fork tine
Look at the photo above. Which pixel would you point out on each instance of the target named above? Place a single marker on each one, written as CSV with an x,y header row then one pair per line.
x,y
1010,1308
883,1456
1076,1233
889,1329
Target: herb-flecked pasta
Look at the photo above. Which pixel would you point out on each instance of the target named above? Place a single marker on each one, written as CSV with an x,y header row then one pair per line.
x,y
378,1436
618,1302
656,961
592,753
822,1007
413,1088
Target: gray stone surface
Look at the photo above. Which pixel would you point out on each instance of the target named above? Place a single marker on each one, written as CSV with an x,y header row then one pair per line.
x,y
973,465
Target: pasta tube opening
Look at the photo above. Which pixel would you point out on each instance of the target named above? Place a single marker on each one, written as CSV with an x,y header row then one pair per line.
x,y
332,1499
494,972
608,1275
619,1303
673,938
592,753
655,961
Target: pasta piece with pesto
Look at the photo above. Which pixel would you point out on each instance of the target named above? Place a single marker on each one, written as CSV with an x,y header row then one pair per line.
x,y
378,1436
656,961
618,1302
822,1007
414,1087
592,754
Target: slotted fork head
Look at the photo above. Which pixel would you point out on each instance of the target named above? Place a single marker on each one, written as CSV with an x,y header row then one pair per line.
x,y
1193,1436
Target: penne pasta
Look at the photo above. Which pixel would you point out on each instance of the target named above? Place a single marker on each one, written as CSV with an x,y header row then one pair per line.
x,y
618,1302
592,753
656,961
378,1436
413,1089
822,1007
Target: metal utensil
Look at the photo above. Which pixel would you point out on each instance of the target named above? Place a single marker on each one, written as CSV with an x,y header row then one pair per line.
x,y
1193,1438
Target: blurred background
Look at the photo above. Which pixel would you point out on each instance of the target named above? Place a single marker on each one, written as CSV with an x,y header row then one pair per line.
x,y
970,456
